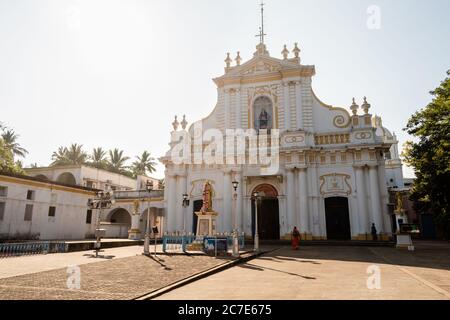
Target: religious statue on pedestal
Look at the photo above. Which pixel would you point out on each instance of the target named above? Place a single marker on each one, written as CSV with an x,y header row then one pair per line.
x,y
264,120
207,198
206,223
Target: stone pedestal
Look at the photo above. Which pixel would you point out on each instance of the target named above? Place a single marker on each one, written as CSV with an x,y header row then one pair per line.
x,y
206,223
134,233
403,239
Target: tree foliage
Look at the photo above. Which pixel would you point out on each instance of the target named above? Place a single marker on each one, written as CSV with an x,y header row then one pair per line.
x,y
9,148
144,163
430,156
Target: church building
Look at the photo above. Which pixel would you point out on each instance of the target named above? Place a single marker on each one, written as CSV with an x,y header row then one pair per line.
x,y
335,164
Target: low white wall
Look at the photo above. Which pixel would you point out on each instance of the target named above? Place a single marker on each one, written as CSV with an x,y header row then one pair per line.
x,y
116,230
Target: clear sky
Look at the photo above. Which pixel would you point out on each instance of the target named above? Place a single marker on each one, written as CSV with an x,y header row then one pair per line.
x,y
113,73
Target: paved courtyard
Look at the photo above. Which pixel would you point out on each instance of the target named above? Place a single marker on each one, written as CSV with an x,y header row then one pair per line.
x,y
330,273
123,274
313,272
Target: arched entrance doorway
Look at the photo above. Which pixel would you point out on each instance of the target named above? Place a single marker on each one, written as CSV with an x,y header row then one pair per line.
x,y
268,213
117,223
338,218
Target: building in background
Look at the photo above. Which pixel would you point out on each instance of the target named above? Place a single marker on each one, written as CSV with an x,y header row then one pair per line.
x,y
90,177
31,209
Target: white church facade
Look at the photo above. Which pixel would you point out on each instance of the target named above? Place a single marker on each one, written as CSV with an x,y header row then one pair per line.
x,y
334,169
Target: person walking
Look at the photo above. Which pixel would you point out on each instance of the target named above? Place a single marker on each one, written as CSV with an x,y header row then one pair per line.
x,y
295,238
374,232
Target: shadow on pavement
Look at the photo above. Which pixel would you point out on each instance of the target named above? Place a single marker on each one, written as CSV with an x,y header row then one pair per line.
x,y
428,254
260,268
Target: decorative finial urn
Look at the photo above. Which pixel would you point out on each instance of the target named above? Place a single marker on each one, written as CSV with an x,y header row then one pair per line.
x,y
228,60
296,51
184,123
238,59
365,106
175,124
354,107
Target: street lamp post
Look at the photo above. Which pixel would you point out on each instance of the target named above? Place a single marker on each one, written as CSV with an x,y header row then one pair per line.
x,y
256,196
235,231
105,199
149,188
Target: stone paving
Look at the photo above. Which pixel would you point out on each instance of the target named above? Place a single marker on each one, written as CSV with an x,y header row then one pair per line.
x,y
331,273
123,278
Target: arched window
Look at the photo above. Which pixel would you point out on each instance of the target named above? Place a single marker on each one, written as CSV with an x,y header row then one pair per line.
x,y
263,113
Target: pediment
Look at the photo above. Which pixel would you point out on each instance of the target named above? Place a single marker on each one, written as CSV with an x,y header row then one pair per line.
x,y
260,65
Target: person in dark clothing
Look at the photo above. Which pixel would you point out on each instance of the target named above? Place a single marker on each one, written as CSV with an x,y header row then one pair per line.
x,y
374,232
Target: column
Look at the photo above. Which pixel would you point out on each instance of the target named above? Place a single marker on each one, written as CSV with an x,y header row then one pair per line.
x,y
298,104
179,204
240,193
227,108
227,202
290,198
303,201
375,198
384,198
316,229
238,110
287,106
170,224
361,199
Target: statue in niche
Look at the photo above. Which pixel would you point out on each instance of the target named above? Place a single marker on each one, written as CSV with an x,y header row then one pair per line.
x,y
263,113
264,120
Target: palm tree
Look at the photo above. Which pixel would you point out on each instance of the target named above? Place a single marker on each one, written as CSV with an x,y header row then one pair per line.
x,y
74,155
10,143
143,164
60,157
98,158
116,161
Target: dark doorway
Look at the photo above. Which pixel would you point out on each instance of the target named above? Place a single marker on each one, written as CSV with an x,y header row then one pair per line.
x,y
338,218
197,207
268,219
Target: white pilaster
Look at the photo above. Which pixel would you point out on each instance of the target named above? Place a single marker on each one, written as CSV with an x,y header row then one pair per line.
x,y
180,211
316,227
287,106
375,198
227,201
290,185
238,121
361,198
227,109
240,192
171,213
298,104
384,197
303,201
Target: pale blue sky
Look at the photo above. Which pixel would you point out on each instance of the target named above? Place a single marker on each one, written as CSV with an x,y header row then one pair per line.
x,y
113,73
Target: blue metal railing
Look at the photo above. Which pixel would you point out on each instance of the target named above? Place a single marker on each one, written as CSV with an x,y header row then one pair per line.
x,y
31,248
179,242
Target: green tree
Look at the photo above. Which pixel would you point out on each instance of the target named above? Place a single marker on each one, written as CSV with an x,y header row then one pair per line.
x,y
7,163
98,158
74,155
145,163
10,142
430,157
116,161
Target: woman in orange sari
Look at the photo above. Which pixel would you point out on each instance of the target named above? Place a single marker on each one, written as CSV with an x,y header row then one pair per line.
x,y
295,239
